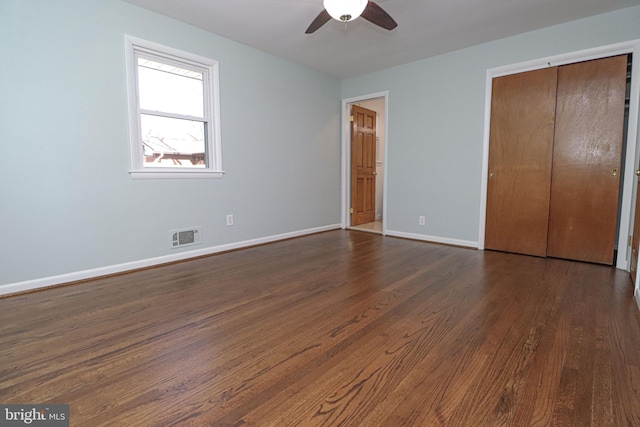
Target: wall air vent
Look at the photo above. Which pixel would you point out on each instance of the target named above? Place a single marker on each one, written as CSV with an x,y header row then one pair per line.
x,y
185,237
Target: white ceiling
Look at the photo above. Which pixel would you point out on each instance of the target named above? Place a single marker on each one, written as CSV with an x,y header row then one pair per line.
x,y
425,27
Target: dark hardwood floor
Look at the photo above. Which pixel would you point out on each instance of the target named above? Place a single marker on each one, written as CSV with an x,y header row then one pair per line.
x,y
339,328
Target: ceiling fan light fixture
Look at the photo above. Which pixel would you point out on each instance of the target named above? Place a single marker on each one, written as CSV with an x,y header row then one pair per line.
x,y
345,10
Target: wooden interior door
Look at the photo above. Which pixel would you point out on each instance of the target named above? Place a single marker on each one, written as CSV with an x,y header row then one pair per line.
x,y
635,240
521,148
586,160
363,165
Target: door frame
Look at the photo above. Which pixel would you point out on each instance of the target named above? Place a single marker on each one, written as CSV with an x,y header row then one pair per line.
x,y
346,157
631,158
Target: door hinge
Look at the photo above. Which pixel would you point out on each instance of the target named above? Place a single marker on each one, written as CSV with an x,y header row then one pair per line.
x,y
630,240
351,118
350,210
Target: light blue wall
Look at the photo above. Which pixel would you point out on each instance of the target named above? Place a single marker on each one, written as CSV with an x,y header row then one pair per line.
x,y
67,202
436,121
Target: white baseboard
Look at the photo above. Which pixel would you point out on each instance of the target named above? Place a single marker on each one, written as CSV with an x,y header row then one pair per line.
x,y
44,282
433,239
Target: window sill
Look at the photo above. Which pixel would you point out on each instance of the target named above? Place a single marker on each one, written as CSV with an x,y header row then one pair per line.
x,y
164,174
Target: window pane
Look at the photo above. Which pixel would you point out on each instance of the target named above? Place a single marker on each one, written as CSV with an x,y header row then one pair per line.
x,y
169,142
170,89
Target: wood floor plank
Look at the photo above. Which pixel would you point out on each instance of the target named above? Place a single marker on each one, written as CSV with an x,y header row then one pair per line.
x,y
338,328
389,357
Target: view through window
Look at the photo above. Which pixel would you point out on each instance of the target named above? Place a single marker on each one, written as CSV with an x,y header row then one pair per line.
x,y
172,120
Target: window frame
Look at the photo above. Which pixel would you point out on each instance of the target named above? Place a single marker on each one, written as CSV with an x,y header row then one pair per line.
x,y
134,48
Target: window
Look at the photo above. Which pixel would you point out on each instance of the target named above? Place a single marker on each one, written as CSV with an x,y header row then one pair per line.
x,y
174,120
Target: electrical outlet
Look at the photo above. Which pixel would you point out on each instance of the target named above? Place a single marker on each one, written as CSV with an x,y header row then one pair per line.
x,y
229,220
421,220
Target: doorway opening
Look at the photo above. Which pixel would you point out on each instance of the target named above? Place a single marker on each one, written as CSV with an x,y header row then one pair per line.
x,y
625,136
364,163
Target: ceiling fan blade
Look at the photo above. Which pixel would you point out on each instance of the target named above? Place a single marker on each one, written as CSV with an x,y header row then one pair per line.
x,y
322,18
376,15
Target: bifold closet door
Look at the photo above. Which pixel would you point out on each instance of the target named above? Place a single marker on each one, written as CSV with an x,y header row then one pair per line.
x,y
518,189
586,160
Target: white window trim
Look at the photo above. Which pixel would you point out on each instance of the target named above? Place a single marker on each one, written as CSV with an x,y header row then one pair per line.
x,y
212,110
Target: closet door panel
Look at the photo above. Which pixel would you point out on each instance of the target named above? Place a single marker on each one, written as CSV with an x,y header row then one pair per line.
x,y
587,159
520,154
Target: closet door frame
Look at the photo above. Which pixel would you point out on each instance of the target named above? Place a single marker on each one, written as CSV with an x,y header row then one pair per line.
x,y
632,156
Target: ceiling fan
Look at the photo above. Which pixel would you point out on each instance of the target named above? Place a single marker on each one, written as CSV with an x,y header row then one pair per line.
x,y
348,10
